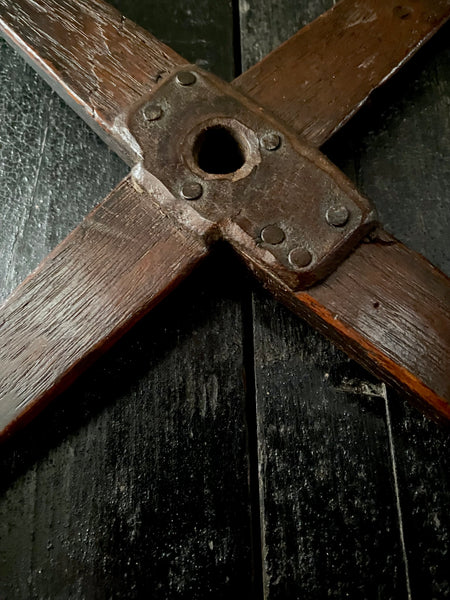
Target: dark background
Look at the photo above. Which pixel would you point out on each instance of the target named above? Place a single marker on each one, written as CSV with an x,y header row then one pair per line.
x,y
224,449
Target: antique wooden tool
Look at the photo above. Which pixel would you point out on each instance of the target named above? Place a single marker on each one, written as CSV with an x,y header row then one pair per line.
x,y
143,462
215,161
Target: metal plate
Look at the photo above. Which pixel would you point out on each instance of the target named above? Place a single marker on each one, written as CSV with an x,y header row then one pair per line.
x,y
280,202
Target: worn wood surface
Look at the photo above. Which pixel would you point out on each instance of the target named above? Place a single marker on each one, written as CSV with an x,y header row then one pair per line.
x,y
388,308
124,258
376,334
385,305
341,463
317,95
404,142
99,61
135,483
354,484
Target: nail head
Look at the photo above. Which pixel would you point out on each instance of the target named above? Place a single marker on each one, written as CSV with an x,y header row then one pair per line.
x,y
192,190
337,215
271,141
152,112
186,78
300,257
272,234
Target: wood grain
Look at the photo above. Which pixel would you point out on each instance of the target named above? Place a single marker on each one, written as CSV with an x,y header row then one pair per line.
x,y
389,309
409,343
96,59
328,510
320,77
401,367
400,145
136,479
354,482
110,493
123,258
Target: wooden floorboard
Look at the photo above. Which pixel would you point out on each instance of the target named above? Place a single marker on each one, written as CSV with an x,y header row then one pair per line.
x,y
348,509
134,483
403,147
324,453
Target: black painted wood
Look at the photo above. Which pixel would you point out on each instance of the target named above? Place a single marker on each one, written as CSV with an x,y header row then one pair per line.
x,y
134,484
328,511
354,485
402,144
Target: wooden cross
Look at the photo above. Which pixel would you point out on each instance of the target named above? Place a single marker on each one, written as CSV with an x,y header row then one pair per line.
x,y
117,277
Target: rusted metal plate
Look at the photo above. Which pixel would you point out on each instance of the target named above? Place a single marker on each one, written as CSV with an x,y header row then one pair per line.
x,y
235,172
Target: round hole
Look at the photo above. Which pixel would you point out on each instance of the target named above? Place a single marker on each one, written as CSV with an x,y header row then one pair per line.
x,y
218,151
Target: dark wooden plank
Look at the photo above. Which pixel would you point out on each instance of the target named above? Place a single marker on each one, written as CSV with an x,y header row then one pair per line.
x,y
259,35
124,258
323,74
326,483
135,482
403,145
329,513
349,504
96,59
421,453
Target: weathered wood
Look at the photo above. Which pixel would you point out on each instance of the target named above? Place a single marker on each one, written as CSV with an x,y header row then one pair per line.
x,y
194,30
397,366
112,269
392,308
401,143
81,518
389,309
72,50
96,59
328,510
421,459
354,484
321,76
135,482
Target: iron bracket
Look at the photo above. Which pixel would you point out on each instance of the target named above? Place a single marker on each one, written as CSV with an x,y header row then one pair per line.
x,y
235,172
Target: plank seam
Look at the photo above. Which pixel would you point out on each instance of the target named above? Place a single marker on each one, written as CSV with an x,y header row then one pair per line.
x,y
253,450
237,45
397,491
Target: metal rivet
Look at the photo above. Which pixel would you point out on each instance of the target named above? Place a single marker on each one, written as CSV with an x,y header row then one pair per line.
x,y
272,234
271,141
337,215
192,190
186,78
300,257
153,112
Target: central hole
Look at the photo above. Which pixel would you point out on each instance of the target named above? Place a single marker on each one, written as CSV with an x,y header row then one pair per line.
x,y
217,151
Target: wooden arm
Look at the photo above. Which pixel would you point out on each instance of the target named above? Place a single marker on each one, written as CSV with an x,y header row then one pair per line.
x,y
123,259
322,75
105,64
98,61
389,309
386,306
